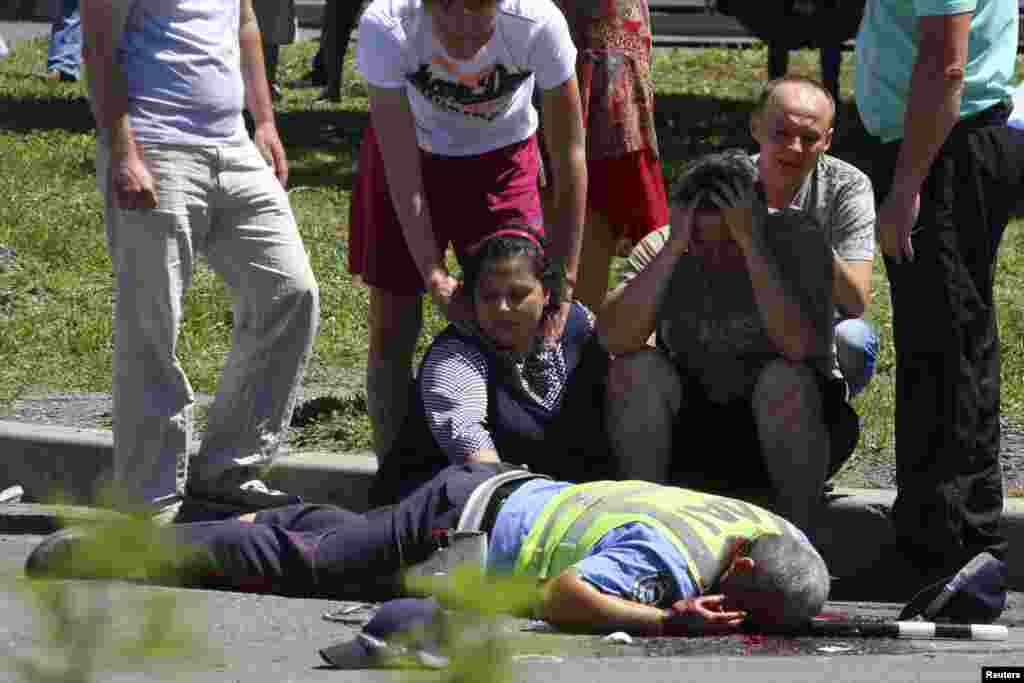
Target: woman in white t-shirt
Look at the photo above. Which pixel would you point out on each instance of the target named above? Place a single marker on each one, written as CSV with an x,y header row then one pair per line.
x,y
450,156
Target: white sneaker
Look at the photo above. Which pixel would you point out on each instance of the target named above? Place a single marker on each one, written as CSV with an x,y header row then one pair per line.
x,y
166,515
11,495
4,50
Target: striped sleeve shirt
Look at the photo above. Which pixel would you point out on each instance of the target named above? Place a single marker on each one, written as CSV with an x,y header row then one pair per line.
x,y
453,389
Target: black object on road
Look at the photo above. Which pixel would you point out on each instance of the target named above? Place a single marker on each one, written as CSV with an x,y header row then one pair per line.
x,y
976,593
404,633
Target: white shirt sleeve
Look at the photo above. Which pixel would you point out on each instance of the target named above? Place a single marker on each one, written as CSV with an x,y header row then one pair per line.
x,y
381,50
552,55
453,388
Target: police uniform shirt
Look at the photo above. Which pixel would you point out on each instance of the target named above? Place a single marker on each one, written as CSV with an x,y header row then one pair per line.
x,y
633,562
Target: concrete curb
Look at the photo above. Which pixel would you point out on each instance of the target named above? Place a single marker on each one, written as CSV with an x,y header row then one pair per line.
x,y
50,461
54,462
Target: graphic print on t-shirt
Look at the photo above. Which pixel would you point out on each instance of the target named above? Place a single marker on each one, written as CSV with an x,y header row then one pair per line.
x,y
485,93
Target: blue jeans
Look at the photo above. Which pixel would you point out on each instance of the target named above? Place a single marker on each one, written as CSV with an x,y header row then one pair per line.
x,y
65,54
856,351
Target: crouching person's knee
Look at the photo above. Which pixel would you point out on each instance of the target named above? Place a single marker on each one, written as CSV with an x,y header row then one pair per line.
x,y
788,392
644,373
787,396
643,401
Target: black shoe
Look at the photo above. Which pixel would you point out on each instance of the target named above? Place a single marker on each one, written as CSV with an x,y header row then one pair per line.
x,y
57,556
106,553
238,490
199,510
329,95
316,78
975,594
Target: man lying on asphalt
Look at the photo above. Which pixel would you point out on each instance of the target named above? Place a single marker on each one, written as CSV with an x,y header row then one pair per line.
x,y
630,555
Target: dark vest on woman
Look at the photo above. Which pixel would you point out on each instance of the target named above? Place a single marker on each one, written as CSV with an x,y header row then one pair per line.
x,y
568,442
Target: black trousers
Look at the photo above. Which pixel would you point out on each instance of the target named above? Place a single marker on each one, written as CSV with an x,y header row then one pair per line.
x,y
323,550
340,20
949,480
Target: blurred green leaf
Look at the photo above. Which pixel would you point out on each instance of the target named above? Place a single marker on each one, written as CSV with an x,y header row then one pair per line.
x,y
91,627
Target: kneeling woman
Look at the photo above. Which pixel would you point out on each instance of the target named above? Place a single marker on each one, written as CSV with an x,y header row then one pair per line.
x,y
491,390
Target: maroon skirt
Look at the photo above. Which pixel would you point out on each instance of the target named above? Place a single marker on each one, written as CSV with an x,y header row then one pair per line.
x,y
468,198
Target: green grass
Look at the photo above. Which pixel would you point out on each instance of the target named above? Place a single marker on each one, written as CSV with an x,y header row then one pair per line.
x,y
55,293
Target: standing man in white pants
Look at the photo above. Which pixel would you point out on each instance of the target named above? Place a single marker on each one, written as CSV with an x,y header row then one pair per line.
x,y
169,79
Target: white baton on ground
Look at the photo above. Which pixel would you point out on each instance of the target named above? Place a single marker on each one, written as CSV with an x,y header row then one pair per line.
x,y
928,629
912,629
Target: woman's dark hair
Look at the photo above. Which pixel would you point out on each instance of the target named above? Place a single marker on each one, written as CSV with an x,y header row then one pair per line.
x,y
508,242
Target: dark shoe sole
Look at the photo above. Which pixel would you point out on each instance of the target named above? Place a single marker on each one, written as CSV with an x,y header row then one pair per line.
x,y
238,503
202,510
54,557
329,95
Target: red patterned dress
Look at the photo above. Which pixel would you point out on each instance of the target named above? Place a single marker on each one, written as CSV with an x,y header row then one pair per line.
x,y
614,72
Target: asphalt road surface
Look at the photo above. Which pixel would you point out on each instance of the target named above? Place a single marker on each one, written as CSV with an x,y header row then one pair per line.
x,y
258,639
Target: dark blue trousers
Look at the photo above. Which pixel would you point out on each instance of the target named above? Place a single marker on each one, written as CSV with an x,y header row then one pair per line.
x,y
323,550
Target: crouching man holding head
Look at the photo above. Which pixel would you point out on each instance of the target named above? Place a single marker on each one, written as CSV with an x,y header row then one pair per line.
x,y
741,301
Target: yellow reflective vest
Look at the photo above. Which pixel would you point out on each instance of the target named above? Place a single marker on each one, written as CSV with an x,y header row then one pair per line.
x,y
705,528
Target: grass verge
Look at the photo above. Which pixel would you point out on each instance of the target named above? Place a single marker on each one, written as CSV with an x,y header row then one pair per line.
x,y
55,282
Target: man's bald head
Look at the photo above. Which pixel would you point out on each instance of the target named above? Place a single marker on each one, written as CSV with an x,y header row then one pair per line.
x,y
797,91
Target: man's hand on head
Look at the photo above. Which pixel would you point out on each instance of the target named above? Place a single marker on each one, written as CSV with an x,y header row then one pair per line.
x,y
742,209
682,231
